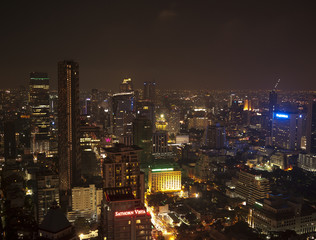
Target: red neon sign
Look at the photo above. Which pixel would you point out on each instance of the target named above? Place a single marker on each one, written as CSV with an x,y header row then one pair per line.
x,y
108,140
130,213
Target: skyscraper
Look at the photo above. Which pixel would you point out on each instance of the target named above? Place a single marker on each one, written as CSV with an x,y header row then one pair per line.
x,y
143,133
40,120
287,130
149,91
311,125
68,129
124,114
126,85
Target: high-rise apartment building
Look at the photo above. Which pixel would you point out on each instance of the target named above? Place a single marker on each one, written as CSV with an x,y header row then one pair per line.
x,y
68,129
40,112
121,169
86,202
252,187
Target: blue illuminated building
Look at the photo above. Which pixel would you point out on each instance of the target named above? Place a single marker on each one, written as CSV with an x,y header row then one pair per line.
x,y
287,130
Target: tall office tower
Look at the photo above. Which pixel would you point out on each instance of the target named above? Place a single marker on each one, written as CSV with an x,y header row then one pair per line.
x,y
215,136
149,91
40,113
68,129
160,142
252,187
287,130
9,140
145,108
126,85
121,169
124,217
123,110
311,125
47,193
143,133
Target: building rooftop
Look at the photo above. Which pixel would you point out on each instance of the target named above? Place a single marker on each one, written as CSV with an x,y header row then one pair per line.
x,y
118,194
54,221
122,148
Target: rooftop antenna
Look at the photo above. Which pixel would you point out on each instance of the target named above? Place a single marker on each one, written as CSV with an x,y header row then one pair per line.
x,y
276,85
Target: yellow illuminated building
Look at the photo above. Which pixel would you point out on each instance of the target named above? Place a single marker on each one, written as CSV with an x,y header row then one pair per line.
x,y
161,123
164,179
247,105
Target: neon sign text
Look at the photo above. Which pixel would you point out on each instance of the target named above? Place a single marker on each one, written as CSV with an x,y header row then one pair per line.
x,y
130,213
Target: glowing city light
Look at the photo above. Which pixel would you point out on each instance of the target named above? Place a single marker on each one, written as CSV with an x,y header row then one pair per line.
x,y
281,115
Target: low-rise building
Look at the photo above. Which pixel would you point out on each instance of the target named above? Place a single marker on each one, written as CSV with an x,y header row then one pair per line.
x,y
276,213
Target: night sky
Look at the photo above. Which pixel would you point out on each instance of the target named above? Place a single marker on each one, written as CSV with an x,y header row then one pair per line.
x,y
179,44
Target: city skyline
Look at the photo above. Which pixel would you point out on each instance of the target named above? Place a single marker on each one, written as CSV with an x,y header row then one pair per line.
x,y
211,45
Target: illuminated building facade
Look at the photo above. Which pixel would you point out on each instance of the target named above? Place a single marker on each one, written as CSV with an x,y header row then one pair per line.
x,y
161,123
90,150
124,217
198,119
287,130
40,112
121,169
68,129
126,85
86,201
307,162
164,179
248,105
251,187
